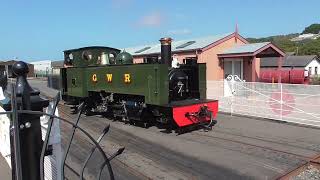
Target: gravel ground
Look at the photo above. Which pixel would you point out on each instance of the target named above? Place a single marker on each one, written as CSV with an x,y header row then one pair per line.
x,y
311,173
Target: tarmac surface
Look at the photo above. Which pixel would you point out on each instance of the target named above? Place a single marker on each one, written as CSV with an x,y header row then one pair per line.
x,y
236,148
5,171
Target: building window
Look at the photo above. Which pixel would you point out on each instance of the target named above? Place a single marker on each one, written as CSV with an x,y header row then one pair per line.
x,y
310,69
316,70
86,55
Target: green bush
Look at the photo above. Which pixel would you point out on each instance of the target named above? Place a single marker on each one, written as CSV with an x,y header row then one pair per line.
x,y
315,80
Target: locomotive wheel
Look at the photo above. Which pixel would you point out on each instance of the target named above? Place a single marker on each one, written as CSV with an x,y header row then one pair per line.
x,y
131,122
179,131
87,112
147,118
146,125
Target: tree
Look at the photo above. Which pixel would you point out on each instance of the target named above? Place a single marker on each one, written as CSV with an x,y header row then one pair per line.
x,y
282,41
310,48
313,28
286,45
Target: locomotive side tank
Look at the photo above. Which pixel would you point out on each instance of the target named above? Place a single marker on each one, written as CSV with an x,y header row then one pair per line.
x,y
149,92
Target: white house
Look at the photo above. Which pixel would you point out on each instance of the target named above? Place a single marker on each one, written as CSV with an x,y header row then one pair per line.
x,y
41,68
313,67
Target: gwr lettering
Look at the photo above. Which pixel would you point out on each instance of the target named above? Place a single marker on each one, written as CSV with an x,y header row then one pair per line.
x,y
127,78
109,78
94,78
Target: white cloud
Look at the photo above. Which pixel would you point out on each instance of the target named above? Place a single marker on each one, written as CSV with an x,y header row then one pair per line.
x,y
179,31
154,19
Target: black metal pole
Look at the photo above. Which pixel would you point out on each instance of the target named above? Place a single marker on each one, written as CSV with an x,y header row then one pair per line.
x,y
30,138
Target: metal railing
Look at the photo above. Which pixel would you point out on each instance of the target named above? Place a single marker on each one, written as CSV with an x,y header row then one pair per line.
x,y
28,149
74,128
296,103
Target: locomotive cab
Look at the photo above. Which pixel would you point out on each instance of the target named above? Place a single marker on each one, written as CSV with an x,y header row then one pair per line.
x,y
75,61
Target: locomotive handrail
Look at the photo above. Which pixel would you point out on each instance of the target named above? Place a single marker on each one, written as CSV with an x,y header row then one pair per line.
x,y
156,78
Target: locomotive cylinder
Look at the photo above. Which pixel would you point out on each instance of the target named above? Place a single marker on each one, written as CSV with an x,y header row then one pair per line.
x,y
166,51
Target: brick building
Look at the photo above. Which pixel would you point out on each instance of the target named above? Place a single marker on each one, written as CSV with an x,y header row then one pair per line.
x,y
224,54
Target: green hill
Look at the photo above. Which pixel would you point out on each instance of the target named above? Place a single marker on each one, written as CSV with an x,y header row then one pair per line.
x,y
305,47
313,28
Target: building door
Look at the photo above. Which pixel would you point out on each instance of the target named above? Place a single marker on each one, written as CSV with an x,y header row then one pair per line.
x,y
233,67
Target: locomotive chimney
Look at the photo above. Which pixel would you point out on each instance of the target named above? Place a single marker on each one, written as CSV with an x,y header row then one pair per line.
x,y
166,51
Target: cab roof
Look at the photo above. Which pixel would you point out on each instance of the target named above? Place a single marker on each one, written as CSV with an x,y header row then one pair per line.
x,y
91,47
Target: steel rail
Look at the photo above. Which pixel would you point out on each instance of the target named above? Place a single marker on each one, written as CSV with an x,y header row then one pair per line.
x,y
253,145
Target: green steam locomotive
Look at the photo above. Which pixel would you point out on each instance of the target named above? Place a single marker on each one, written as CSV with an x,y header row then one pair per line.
x,y
152,92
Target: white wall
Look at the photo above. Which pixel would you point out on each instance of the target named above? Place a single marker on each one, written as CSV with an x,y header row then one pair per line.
x,y
314,63
5,137
41,67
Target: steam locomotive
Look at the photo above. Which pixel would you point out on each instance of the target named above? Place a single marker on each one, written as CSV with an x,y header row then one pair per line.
x,y
148,93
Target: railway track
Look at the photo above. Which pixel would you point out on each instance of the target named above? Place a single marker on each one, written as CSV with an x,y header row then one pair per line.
x,y
285,159
315,162
309,156
180,165
306,158
301,156
121,169
276,140
82,143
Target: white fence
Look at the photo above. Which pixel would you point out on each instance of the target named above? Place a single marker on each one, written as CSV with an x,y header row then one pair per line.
x,y
295,103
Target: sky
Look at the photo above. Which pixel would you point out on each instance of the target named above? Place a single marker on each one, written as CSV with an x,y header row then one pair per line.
x,y
35,30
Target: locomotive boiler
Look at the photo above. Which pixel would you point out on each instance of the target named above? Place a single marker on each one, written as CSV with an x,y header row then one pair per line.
x,y
152,92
